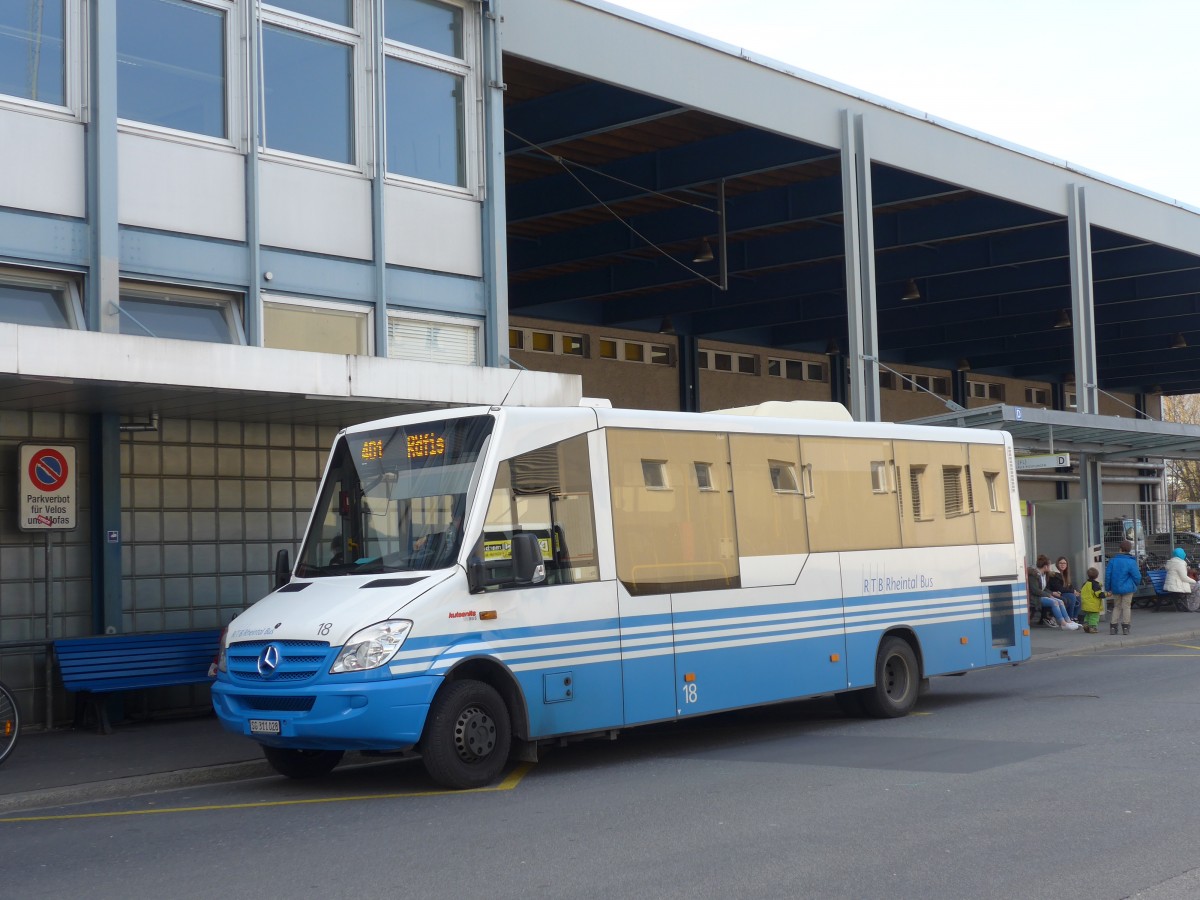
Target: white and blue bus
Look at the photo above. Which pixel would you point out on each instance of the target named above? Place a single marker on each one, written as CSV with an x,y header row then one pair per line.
x,y
475,581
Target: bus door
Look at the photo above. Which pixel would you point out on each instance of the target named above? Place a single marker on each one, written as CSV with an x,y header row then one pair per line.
x,y
647,656
1001,577
759,645
646,518
557,637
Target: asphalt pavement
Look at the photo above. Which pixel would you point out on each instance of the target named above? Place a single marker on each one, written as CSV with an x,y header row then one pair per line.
x,y
144,756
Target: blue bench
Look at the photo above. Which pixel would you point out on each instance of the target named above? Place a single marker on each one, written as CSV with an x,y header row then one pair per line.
x,y
1159,599
94,667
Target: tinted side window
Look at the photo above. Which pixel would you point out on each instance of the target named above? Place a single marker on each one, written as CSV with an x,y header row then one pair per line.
x,y
547,492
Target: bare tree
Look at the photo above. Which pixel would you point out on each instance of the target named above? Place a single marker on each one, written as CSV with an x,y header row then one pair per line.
x,y
1183,475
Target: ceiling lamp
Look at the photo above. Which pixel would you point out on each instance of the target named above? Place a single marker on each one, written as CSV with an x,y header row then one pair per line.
x,y
910,291
666,326
704,252
963,365
1063,320
1178,342
832,347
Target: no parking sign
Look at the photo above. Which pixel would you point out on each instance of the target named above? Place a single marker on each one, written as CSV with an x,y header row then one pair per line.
x,y
47,483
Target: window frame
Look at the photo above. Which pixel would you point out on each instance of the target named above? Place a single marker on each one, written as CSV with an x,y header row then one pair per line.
x,y
954,499
558,341
74,68
880,480
916,494
72,307
776,470
923,382
365,311
230,304
985,390
361,117
647,349
783,366
659,466
992,479
236,95
469,67
706,358
430,318
1036,395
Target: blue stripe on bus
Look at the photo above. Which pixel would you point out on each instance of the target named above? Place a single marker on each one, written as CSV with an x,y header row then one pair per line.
x,y
561,642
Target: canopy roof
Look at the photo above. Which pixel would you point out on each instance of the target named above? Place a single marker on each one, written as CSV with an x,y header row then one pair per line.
x,y
1109,437
615,161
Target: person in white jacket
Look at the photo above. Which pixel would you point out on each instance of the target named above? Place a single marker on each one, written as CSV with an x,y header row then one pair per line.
x,y
1177,581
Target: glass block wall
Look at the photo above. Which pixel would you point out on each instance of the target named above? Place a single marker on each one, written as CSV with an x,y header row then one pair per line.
x,y
205,507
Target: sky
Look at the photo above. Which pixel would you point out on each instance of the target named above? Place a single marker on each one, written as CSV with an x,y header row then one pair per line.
x,y
1109,85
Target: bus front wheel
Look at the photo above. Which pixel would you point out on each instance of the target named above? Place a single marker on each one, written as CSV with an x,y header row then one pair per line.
x,y
467,735
897,681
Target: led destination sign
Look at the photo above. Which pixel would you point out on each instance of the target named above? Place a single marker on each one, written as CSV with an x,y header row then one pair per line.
x,y
425,445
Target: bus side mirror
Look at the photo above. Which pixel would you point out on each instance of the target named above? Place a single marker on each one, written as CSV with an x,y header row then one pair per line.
x,y
283,569
476,575
528,567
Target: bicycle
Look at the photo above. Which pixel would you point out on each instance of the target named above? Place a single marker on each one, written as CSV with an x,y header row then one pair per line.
x,y
10,721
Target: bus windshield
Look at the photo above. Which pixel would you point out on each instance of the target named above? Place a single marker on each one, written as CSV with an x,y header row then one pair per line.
x,y
394,499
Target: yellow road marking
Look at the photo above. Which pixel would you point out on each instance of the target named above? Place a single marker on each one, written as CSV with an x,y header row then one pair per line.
x,y
511,781
1188,646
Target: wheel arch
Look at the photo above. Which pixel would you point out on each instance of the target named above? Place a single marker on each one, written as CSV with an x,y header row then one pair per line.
x,y
494,673
906,634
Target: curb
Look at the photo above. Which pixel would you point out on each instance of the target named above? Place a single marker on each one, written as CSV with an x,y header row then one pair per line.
x,y
1115,642
133,785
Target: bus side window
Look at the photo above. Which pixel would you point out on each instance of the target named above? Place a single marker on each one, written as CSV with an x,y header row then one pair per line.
x,y
547,492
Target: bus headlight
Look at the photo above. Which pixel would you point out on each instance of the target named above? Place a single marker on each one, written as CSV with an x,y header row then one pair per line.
x,y
372,647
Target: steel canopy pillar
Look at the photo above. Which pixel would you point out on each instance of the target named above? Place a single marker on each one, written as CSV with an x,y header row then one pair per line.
x,y
689,373
495,209
1083,319
859,234
103,282
105,465
254,273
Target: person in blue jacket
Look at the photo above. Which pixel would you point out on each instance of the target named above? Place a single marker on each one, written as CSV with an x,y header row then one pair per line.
x,y
1122,576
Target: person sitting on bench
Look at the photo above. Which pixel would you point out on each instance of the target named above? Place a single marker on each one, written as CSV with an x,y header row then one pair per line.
x,y
1055,614
1177,580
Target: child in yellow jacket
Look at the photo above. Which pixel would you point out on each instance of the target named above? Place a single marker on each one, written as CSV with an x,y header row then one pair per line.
x,y
1092,600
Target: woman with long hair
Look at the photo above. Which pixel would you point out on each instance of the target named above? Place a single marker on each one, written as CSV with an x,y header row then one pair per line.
x,y
1053,611
1059,583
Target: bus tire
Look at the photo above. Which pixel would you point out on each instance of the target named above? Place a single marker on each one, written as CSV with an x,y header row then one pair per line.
x,y
467,736
302,763
897,681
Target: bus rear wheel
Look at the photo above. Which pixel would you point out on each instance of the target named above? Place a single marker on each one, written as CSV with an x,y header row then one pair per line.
x,y
467,737
302,763
897,681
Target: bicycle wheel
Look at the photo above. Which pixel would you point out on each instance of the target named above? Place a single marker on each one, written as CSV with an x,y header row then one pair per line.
x,y
10,721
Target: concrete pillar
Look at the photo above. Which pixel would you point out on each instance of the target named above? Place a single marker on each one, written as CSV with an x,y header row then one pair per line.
x,y
860,270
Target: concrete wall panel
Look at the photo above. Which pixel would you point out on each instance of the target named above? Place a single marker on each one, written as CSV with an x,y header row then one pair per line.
x,y
319,211
176,186
426,230
42,159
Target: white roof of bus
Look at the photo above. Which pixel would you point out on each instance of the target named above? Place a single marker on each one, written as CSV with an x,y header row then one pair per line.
x,y
734,421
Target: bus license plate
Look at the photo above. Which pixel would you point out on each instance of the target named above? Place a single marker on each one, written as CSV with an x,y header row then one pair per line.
x,y
264,726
